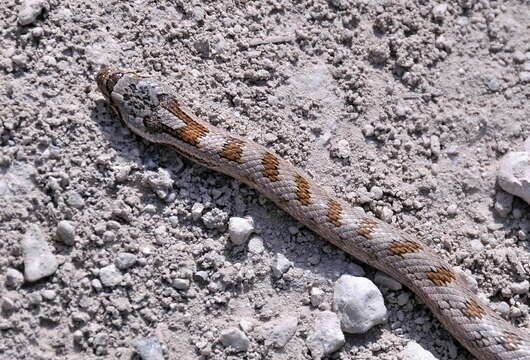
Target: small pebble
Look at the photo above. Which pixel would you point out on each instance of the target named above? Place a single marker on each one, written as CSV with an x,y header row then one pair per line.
x,y
280,265
503,203
524,76
35,298
282,331
414,351
240,229
502,307
181,284
247,325
521,287
255,245
386,214
14,278
20,60
75,200
149,348
476,245
235,339
39,261
317,296
519,57
125,260
376,193
37,32
403,299
66,232
49,294
439,11
452,210
96,284
30,10
343,150
78,336
110,276
8,305
368,130
326,337
514,174
196,211
358,303
201,276
494,84
435,146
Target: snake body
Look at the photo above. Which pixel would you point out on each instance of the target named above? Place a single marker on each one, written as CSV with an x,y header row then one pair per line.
x,y
151,111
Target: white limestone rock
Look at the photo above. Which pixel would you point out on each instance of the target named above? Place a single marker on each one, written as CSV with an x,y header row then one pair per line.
x,y
358,303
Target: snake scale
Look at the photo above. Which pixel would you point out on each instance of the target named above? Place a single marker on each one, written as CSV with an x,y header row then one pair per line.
x,y
151,111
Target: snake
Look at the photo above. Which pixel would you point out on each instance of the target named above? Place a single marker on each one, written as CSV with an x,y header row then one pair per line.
x,y
154,112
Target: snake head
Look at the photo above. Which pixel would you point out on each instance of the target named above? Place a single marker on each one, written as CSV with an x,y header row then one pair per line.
x,y
134,98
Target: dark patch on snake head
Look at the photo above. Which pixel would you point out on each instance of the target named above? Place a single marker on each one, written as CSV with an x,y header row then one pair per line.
x,y
152,124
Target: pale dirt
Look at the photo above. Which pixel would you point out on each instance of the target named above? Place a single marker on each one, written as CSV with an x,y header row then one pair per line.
x,y
387,77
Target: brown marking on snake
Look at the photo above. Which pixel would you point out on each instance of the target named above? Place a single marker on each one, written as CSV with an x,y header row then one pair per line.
x,y
440,276
334,212
472,309
510,341
366,227
232,149
404,247
192,132
302,190
270,163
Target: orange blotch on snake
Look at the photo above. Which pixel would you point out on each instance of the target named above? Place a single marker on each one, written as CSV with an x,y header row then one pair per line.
x,y
232,149
473,310
302,190
441,276
404,247
510,341
270,164
334,212
192,132
366,227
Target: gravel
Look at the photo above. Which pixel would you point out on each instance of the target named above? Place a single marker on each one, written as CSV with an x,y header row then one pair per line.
x,y
401,108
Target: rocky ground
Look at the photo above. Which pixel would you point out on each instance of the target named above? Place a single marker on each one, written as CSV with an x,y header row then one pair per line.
x,y
111,247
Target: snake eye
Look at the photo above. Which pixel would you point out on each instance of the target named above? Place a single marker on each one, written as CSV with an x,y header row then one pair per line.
x,y
152,124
